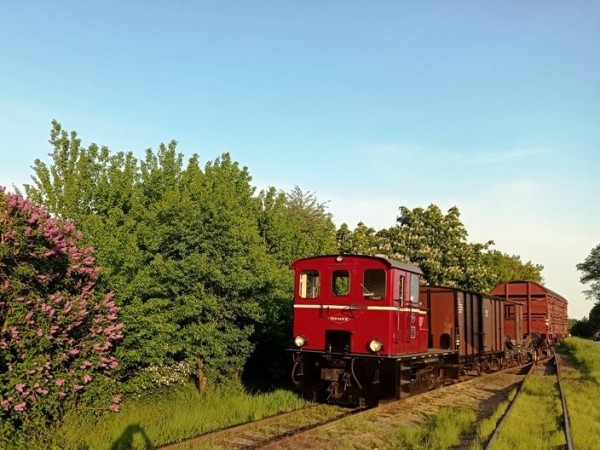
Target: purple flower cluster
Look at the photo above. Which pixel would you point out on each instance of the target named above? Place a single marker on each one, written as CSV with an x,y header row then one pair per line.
x,y
59,333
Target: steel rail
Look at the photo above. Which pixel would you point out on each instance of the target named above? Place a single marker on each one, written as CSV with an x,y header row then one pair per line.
x,y
238,429
282,437
567,425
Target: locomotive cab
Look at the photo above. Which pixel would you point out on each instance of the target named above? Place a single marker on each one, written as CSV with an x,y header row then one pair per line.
x,y
357,305
355,318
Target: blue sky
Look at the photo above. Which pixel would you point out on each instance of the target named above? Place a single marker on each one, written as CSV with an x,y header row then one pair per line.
x,y
490,106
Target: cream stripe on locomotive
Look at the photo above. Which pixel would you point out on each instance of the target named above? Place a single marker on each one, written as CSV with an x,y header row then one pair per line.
x,y
354,307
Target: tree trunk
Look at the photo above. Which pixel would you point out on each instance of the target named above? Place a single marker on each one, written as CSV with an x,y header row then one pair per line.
x,y
201,380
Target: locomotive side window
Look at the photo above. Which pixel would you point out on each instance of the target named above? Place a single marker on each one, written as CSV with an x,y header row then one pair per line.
x,y
414,288
340,283
374,284
399,290
309,284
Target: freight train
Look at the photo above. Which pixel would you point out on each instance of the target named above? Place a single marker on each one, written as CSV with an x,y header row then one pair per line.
x,y
365,330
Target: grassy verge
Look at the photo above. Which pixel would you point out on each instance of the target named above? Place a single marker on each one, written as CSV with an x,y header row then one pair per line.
x,y
581,384
171,416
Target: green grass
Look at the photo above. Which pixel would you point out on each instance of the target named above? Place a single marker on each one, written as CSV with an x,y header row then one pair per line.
x,y
439,432
535,421
182,412
487,426
171,416
582,391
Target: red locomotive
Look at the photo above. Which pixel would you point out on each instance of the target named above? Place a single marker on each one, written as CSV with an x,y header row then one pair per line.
x,y
364,330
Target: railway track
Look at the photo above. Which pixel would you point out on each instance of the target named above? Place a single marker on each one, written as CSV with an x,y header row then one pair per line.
x,y
546,368
305,428
267,431
480,392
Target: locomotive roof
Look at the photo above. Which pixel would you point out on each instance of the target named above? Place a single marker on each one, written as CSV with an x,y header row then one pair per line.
x,y
390,262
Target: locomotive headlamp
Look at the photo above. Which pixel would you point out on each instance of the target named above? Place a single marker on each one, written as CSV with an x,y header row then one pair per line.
x,y
300,341
375,346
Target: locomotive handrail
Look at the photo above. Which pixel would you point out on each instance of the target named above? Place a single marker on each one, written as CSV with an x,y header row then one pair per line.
x,y
354,374
354,306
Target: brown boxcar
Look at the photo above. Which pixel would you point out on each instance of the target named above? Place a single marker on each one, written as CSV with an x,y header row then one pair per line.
x,y
469,322
544,311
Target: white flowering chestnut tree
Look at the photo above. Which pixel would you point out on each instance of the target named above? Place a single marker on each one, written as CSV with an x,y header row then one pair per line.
x,y
57,332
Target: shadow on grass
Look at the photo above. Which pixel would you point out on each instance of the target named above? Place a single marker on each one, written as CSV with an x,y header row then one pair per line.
x,y
585,368
133,434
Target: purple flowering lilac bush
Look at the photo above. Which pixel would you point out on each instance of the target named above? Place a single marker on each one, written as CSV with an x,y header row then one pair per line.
x,y
57,333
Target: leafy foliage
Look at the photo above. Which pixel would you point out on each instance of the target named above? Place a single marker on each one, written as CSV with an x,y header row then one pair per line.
x,y
428,238
591,273
57,333
590,268
504,267
201,263
437,243
197,296
295,225
363,240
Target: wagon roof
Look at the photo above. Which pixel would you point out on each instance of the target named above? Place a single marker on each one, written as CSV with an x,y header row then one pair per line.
x,y
541,286
469,291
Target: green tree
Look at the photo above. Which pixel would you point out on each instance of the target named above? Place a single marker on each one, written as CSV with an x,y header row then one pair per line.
x,y
362,240
503,267
571,324
591,273
437,243
181,246
97,190
295,225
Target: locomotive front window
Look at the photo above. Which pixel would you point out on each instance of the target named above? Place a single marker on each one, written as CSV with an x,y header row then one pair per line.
x,y
340,282
374,284
309,284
